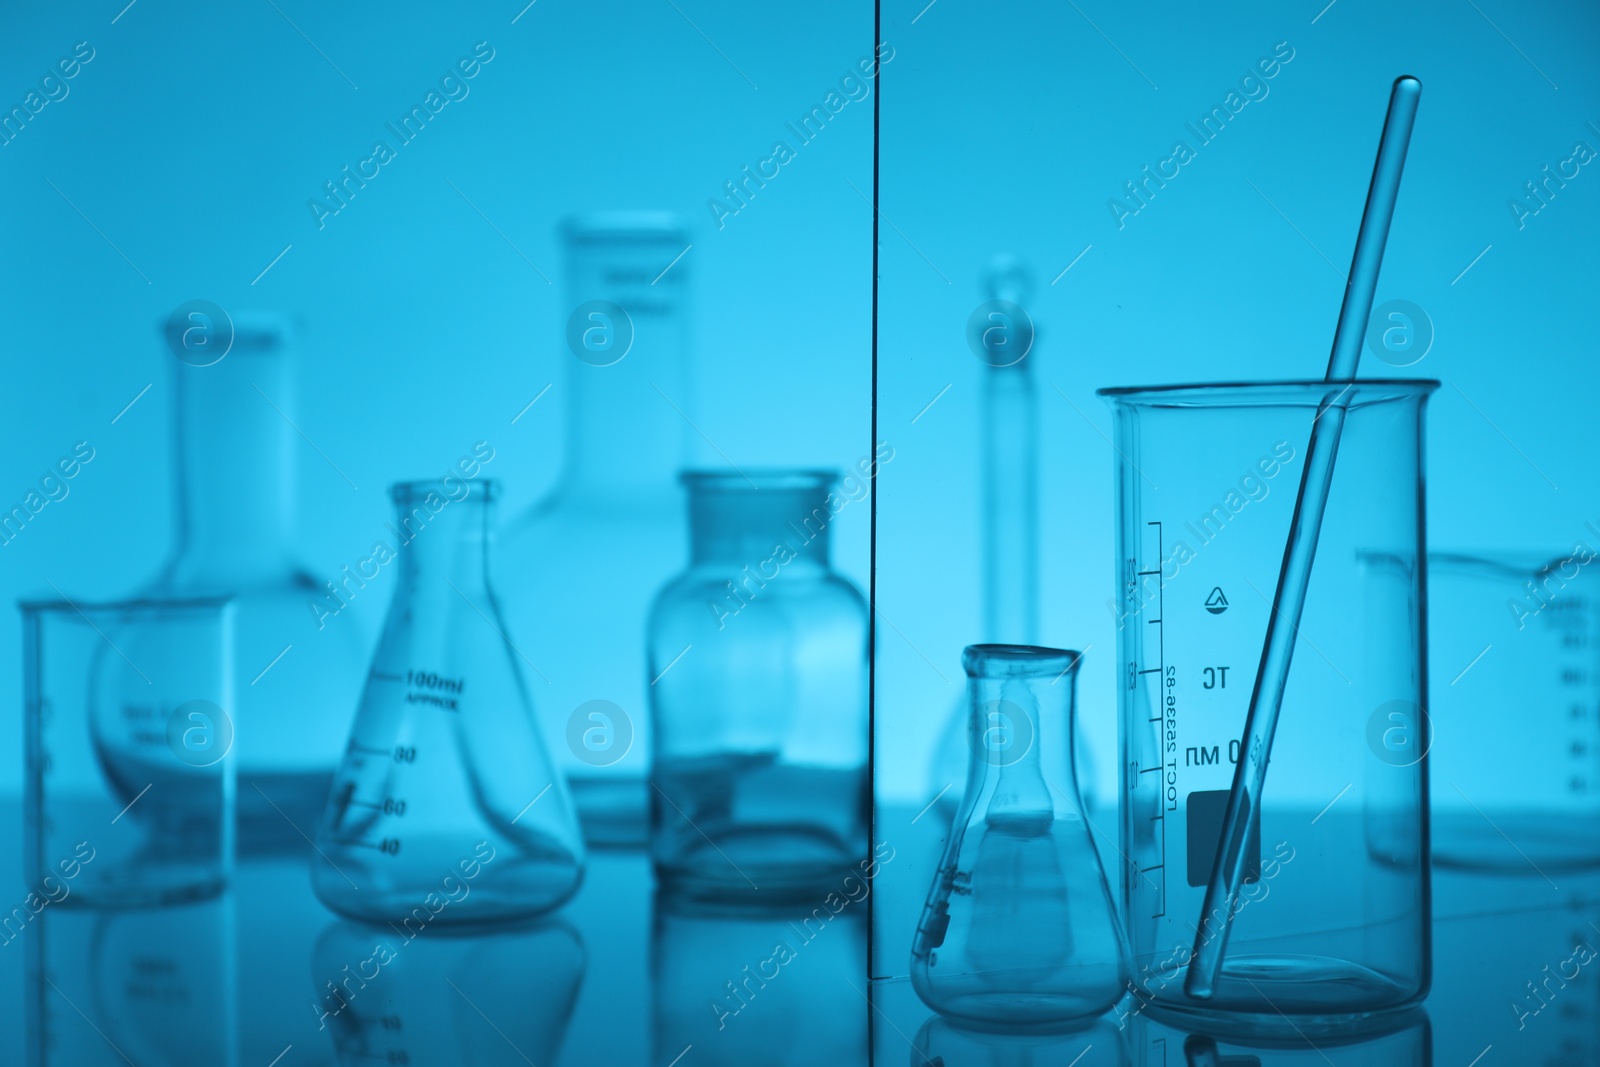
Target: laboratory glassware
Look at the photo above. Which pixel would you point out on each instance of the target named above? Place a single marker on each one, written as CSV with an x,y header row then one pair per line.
x,y
447,808
741,983
1514,646
1242,813
154,986
940,1041
1404,1040
497,997
758,695
130,775
586,559
1019,930
298,653
1010,508
1334,923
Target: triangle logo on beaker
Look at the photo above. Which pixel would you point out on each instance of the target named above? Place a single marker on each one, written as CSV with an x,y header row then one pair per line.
x,y
1216,603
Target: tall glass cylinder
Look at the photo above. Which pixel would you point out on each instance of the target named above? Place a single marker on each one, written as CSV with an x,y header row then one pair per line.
x,y
758,687
1334,920
578,569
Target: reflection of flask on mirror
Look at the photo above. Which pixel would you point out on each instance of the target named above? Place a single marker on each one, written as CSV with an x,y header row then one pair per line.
x,y
446,773
500,998
298,667
579,567
742,984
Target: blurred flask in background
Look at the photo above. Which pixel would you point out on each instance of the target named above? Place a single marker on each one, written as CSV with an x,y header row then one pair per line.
x,y
299,670
1009,498
578,569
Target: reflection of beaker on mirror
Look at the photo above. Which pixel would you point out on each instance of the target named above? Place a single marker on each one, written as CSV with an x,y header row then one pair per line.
x,y
153,986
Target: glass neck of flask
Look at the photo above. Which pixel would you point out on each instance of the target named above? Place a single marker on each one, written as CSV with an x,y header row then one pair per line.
x,y
234,477
442,532
628,385
771,521
1022,707
1010,505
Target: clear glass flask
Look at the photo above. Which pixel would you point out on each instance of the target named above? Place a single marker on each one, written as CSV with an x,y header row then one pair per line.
x,y
1019,930
447,808
127,712
1515,639
1333,925
758,686
298,669
586,559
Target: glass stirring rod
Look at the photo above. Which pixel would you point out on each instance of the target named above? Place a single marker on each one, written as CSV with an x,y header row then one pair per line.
x,y
1266,699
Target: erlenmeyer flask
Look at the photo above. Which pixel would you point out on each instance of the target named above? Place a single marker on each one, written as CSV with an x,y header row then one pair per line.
x,y
447,808
1019,930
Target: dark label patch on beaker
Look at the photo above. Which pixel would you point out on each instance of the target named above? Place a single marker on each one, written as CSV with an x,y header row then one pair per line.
x,y
1207,808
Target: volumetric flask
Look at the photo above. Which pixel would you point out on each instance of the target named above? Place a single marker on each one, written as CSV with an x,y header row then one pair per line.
x,y
1515,654
580,566
297,653
129,732
758,653
447,808
1019,931
1333,921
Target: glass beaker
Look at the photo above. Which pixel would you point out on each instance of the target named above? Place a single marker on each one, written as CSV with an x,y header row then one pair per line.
x,y
587,558
447,808
758,694
1020,931
130,777
299,665
1334,920
1514,646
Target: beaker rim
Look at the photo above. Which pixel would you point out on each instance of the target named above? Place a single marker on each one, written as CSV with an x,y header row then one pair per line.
x,y
751,479
1293,391
86,608
482,490
1019,661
